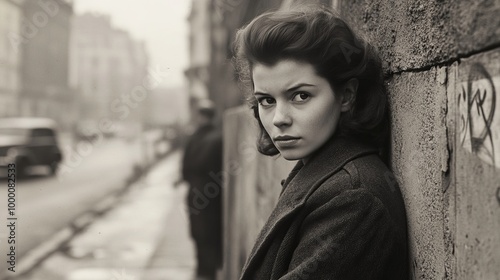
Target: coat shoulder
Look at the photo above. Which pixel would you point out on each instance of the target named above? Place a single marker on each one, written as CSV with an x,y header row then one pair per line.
x,y
369,175
368,172
364,172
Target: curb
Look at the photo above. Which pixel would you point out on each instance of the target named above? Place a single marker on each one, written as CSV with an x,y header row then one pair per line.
x,y
36,256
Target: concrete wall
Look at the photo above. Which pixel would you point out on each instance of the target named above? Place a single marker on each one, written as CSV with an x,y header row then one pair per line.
x,y
420,161
446,159
416,34
442,61
475,104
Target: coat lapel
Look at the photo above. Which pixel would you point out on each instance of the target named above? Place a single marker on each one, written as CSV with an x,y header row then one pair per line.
x,y
326,161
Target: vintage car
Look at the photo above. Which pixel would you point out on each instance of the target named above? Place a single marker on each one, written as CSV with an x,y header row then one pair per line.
x,y
28,142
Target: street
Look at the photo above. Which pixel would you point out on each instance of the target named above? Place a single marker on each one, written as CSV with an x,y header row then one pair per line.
x,y
145,235
45,205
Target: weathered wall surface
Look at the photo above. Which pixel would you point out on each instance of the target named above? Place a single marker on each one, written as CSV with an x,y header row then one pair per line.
x,y
477,164
418,34
443,64
251,187
420,156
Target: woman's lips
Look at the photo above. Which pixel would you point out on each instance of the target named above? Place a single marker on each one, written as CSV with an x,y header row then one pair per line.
x,y
286,141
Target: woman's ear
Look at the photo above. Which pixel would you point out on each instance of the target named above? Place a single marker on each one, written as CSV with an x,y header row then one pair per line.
x,y
349,93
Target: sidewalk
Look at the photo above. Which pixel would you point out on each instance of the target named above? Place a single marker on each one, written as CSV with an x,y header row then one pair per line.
x,y
145,237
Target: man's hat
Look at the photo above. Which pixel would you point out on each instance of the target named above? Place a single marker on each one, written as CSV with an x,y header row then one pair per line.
x,y
206,107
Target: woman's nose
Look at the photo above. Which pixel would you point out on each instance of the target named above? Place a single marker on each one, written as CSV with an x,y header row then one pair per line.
x,y
281,116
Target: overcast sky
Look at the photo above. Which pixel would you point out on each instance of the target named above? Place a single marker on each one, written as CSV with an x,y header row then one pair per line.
x,y
162,24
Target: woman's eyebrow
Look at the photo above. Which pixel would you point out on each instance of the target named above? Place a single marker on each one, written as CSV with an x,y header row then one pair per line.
x,y
288,90
260,93
299,86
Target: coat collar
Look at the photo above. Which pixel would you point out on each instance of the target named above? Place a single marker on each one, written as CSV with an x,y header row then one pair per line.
x,y
204,128
304,180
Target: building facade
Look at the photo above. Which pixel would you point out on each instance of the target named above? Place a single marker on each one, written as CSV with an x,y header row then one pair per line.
x,y
10,56
197,74
106,65
44,43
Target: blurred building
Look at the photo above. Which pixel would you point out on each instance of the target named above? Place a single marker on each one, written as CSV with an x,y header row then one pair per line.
x,y
10,56
199,51
166,106
106,65
44,44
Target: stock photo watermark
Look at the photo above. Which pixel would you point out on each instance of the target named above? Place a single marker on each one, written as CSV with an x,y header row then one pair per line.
x,y
327,248
122,106
223,7
30,27
348,50
121,275
12,218
201,199
411,171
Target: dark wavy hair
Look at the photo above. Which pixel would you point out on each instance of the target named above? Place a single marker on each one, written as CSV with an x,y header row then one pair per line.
x,y
318,36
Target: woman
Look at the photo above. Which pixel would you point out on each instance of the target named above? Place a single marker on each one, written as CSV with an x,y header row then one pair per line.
x,y
318,95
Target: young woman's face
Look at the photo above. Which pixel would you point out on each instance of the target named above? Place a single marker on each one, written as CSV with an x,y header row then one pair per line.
x,y
297,108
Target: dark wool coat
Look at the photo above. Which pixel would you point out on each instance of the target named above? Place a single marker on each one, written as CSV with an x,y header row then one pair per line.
x,y
340,216
201,168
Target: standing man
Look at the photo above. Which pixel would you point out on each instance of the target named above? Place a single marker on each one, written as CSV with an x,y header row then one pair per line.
x,y
202,160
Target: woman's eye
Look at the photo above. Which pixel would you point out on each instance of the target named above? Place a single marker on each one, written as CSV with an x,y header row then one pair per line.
x,y
301,96
265,101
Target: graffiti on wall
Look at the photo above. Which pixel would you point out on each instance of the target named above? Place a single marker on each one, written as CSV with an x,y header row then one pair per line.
x,y
479,123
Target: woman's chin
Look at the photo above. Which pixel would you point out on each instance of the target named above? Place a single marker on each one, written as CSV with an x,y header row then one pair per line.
x,y
291,155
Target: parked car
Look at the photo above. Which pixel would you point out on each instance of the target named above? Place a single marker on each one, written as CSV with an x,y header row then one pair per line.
x,y
88,130
29,142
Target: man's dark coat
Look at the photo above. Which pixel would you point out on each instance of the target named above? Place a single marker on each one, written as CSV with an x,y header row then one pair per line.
x,y
201,168
340,216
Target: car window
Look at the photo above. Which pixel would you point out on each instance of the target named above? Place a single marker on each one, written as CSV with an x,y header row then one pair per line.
x,y
38,132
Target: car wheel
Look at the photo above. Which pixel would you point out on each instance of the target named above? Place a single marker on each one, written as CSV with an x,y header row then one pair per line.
x,y
53,169
21,166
